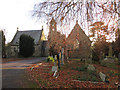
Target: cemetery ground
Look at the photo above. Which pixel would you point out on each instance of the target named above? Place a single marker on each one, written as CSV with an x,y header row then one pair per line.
x,y
74,74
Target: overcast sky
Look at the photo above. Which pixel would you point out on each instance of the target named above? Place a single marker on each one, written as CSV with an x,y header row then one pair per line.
x,y
18,13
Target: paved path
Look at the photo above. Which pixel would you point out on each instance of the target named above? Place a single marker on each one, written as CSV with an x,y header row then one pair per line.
x,y
13,73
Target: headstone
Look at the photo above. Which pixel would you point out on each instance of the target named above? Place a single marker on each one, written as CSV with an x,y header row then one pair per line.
x,y
55,73
91,67
110,51
54,68
102,76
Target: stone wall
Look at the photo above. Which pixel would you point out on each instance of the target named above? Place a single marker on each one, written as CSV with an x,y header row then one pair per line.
x,y
78,45
83,54
45,49
40,50
14,51
37,51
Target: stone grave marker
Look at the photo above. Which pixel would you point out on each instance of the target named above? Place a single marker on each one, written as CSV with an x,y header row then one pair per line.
x,y
54,68
102,76
91,67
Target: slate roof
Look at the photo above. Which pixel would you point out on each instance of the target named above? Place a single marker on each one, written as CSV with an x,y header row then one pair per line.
x,y
35,34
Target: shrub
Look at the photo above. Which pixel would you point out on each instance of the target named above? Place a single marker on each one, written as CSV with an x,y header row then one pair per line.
x,y
111,73
103,64
92,73
118,74
94,78
26,45
72,68
68,72
73,77
107,77
82,78
82,68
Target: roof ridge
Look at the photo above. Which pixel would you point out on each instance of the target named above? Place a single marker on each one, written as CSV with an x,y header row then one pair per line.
x,y
32,30
36,34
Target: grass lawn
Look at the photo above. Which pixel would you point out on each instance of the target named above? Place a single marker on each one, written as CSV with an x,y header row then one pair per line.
x,y
72,75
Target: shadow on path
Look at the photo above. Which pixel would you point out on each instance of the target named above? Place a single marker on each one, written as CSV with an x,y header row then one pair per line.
x,y
13,74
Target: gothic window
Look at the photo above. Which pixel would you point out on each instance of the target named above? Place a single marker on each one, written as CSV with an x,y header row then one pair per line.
x,y
76,44
52,24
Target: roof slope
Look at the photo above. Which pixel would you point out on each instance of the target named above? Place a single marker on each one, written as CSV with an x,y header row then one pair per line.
x,y
35,34
77,32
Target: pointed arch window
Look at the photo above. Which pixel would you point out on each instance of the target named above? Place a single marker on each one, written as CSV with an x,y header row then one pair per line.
x,y
76,44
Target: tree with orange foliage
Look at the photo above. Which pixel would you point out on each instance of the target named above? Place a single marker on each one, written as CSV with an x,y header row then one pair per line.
x,y
99,31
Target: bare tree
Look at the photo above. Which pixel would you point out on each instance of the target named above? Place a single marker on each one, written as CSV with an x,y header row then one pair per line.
x,y
86,12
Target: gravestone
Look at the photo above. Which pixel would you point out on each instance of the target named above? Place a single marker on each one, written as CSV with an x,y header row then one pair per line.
x,y
110,51
54,68
91,67
54,74
102,76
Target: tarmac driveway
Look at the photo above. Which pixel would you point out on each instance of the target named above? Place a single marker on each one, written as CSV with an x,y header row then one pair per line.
x,y
13,73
